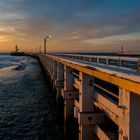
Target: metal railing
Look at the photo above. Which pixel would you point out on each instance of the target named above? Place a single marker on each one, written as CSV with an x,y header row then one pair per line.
x,y
132,63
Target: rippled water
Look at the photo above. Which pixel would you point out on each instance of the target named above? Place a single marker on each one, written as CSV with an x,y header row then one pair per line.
x,y
26,112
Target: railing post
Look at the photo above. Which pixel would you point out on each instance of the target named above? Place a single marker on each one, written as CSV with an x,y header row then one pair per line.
x,y
107,61
98,58
138,65
120,62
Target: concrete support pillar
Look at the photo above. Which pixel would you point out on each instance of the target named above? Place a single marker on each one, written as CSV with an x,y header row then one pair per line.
x,y
59,85
46,64
59,79
68,95
86,94
129,122
68,77
68,86
51,68
53,77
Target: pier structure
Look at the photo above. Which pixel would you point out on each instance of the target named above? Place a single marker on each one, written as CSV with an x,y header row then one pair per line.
x,y
103,99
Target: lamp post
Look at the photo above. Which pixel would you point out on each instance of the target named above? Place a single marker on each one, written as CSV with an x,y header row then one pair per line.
x,y
122,49
45,44
40,49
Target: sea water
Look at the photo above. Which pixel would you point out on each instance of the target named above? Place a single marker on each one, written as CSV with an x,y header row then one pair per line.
x,y
26,111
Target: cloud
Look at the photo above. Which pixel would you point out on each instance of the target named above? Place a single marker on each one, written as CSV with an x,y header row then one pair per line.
x,y
71,23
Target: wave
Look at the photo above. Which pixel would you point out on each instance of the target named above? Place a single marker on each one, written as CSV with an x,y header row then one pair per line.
x,y
12,63
20,67
8,68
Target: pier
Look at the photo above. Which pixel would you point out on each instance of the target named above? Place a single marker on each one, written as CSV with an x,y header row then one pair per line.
x,y
99,96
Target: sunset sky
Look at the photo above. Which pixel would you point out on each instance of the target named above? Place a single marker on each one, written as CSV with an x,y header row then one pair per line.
x,y
75,25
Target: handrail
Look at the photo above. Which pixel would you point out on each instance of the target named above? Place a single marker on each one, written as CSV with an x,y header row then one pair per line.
x,y
130,62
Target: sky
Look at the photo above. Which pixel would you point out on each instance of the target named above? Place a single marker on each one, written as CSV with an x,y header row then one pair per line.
x,y
74,25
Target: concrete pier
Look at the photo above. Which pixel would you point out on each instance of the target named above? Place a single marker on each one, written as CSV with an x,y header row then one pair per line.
x,y
103,101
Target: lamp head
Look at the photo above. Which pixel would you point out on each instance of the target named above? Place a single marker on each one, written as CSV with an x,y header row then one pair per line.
x,y
48,36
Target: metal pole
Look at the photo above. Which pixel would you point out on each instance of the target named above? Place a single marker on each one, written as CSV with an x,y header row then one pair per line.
x,y
122,49
40,49
45,45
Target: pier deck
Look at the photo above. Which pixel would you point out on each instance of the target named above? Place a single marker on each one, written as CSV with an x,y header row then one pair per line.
x,y
104,99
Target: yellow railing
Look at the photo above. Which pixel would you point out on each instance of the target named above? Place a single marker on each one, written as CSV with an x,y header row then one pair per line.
x,y
113,79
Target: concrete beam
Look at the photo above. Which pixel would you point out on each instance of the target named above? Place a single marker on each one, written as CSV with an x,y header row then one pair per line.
x,y
129,123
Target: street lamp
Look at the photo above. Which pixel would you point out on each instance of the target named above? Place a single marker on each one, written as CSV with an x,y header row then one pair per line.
x,y
40,49
45,40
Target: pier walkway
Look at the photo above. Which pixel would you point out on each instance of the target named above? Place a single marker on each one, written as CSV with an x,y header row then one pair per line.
x,y
100,93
